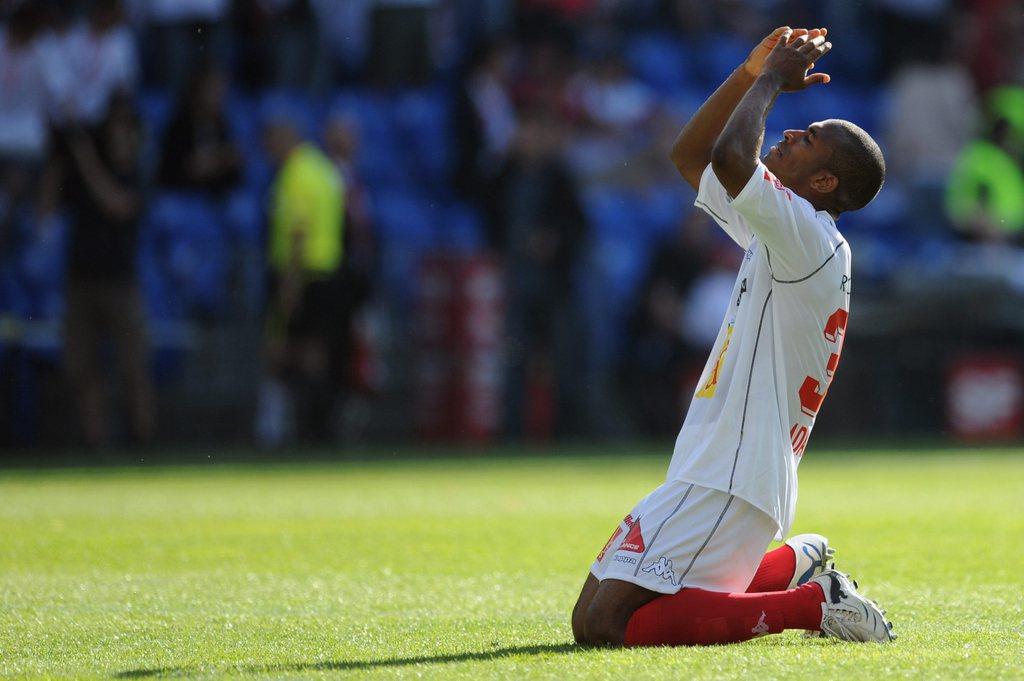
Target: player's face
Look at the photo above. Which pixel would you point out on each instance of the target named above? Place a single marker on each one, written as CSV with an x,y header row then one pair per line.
x,y
799,155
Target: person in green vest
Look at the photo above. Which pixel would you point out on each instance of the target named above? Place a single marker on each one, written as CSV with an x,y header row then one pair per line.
x,y
985,194
306,295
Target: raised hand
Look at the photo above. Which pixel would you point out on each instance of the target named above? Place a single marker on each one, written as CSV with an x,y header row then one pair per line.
x,y
755,61
792,58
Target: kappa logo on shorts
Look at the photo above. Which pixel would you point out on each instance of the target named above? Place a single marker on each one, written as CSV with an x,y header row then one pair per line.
x,y
664,569
625,559
761,628
634,540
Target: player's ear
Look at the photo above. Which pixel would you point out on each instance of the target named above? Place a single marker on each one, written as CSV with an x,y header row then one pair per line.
x,y
824,182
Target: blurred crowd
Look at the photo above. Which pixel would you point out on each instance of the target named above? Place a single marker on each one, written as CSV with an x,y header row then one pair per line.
x,y
280,168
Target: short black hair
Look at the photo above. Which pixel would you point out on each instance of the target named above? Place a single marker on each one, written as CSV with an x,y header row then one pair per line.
x,y
857,163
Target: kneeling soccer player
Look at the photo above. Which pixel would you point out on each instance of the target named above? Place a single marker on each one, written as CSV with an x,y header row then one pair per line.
x,y
687,565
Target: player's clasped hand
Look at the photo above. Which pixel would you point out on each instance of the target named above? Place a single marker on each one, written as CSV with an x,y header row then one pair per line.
x,y
792,58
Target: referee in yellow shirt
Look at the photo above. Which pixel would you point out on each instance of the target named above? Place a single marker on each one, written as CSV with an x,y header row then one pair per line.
x,y
307,324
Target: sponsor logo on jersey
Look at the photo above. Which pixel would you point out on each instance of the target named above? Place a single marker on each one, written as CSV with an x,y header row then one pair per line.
x,y
634,540
768,177
664,569
625,559
711,384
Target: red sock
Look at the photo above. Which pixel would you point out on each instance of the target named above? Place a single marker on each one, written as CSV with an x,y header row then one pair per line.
x,y
775,571
699,617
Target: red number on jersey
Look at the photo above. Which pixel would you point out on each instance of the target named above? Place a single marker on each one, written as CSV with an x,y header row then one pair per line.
x,y
811,392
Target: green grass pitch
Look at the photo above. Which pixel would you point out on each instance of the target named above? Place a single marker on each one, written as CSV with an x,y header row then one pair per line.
x,y
468,567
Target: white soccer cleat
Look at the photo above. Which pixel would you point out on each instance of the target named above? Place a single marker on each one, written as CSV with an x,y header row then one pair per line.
x,y
813,556
849,616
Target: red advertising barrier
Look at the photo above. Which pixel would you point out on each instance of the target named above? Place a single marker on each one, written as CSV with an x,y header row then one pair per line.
x,y
458,330
985,397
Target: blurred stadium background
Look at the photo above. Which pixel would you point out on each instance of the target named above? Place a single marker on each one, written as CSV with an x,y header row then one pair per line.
x,y
498,248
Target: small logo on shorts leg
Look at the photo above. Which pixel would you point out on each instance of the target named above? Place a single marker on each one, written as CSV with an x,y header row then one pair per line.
x,y
761,628
634,540
664,569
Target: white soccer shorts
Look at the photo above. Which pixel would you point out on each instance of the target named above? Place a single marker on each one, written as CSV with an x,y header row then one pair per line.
x,y
684,535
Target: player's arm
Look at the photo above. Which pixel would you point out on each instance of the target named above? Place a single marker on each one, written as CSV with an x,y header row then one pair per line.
x,y
691,152
735,154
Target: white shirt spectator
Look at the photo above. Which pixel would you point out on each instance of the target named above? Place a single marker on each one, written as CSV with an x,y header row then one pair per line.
x,y
931,119
497,113
710,294
179,11
26,94
101,64
617,101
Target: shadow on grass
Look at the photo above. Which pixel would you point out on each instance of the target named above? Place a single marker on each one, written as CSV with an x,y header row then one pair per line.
x,y
332,665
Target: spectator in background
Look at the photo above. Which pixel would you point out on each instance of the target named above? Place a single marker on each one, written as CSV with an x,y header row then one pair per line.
x,y
616,111
613,100
538,229
306,240
26,95
281,44
660,365
178,34
985,194
908,28
341,144
102,61
485,119
355,352
547,69
399,42
100,185
996,35
344,32
931,119
198,153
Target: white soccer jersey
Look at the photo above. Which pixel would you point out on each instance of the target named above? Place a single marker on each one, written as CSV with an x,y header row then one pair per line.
x,y
777,350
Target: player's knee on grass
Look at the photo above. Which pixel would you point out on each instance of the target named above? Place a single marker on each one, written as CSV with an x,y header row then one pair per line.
x,y
579,611
608,614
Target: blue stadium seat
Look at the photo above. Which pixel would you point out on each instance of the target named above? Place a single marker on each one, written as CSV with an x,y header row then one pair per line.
x,y
612,213
372,110
662,60
623,230
718,56
156,108
665,206
184,255
306,112
405,217
460,228
383,160
246,128
42,269
829,101
244,217
423,119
